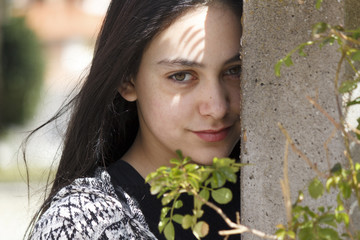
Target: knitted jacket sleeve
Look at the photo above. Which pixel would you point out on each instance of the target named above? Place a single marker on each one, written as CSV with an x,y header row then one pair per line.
x,y
89,209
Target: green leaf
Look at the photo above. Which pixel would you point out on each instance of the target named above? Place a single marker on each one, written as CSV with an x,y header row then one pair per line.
x,y
340,206
357,165
179,153
347,86
178,204
222,195
191,167
187,221
316,188
164,212
309,212
222,162
177,218
306,234
356,101
345,189
343,217
218,179
338,28
301,50
204,175
356,56
155,189
280,233
175,161
201,229
319,28
205,194
288,61
278,67
291,234
151,176
336,168
229,174
318,4
328,234
162,224
168,198
327,219
194,183
328,40
356,33
198,213
169,231
195,175
330,183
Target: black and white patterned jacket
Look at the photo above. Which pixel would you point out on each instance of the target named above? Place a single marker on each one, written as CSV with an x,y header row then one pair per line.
x,y
89,208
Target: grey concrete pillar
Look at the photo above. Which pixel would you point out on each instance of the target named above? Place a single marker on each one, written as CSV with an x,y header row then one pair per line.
x,y
271,29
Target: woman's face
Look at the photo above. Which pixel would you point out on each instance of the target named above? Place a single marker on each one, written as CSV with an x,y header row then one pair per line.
x,y
188,87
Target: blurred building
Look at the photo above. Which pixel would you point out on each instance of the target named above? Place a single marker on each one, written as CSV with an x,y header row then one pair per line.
x,y
67,29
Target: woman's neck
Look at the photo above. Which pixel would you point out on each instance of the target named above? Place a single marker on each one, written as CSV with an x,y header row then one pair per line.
x,y
144,158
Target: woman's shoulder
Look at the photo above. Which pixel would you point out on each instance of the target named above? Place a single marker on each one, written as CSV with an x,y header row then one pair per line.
x,y
90,209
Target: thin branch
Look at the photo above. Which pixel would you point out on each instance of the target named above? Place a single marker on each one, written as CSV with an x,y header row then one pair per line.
x,y
301,154
343,36
326,143
336,85
237,217
333,121
285,186
237,228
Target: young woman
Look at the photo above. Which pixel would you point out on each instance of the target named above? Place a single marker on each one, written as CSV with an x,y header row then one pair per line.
x,y
165,76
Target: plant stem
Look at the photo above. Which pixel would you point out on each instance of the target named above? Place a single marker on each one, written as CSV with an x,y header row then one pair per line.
x,y
301,154
236,228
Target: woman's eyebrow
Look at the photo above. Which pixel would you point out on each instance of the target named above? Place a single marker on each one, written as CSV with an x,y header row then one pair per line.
x,y
235,58
180,62
189,63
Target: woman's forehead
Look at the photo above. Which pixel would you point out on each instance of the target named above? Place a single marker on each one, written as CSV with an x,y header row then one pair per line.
x,y
197,33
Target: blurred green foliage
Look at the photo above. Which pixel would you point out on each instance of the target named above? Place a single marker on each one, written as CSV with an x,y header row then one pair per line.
x,y
23,73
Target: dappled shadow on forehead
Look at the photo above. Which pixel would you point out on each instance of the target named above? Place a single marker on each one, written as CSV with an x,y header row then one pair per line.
x,y
206,31
201,35
193,37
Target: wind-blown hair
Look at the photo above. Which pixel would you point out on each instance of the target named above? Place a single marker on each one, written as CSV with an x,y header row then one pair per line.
x,y
103,125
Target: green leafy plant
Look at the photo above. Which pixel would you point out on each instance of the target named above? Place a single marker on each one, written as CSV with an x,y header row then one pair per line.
x,y
201,182
329,222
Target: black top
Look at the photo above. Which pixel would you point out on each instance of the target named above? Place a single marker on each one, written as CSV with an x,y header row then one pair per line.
x,y
124,175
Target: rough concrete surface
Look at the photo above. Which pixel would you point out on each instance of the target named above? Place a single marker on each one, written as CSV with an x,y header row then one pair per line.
x,y
271,29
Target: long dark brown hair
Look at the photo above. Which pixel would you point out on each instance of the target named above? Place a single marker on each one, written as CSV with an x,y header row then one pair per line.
x,y
103,125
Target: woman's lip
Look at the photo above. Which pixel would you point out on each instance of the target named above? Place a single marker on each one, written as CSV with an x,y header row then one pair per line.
x,y
212,135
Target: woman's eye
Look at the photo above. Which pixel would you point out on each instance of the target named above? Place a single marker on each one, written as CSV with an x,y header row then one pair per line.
x,y
233,71
182,77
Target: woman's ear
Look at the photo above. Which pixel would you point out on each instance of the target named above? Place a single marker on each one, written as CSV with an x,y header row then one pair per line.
x,y
127,91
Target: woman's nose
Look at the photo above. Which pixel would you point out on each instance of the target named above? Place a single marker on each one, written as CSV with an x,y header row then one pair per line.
x,y
214,100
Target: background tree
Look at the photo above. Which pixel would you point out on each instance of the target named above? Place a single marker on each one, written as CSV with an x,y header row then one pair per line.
x,y
22,71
